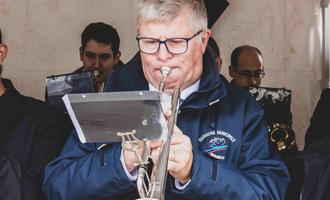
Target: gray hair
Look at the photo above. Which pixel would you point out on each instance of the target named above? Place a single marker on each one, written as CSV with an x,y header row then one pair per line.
x,y
167,10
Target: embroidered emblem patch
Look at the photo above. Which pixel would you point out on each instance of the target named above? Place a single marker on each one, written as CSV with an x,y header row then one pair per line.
x,y
216,143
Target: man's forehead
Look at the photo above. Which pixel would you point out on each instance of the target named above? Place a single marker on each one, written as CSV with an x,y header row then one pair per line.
x,y
93,43
250,59
98,47
171,27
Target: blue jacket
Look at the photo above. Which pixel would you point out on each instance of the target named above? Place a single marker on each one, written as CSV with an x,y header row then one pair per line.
x,y
232,158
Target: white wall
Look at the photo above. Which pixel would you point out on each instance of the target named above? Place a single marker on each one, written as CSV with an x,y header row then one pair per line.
x,y
44,36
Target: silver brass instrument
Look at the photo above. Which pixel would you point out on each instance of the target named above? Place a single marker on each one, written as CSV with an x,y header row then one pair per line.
x,y
99,86
153,186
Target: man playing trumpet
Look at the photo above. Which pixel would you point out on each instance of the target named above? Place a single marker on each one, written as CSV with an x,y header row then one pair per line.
x,y
219,147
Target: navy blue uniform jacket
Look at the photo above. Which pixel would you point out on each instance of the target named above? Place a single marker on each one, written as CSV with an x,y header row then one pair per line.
x,y
221,122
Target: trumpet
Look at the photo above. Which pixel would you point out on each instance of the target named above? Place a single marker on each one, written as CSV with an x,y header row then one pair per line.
x,y
153,186
98,86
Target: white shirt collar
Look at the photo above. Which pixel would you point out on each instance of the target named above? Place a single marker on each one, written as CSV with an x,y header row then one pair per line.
x,y
184,93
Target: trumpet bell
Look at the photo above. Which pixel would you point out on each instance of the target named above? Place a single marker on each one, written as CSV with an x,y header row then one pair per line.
x,y
282,135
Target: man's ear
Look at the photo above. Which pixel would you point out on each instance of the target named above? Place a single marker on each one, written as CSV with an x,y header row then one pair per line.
x,y
117,57
231,71
3,52
205,38
81,53
218,60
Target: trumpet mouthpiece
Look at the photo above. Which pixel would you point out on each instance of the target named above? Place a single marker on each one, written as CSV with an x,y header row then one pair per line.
x,y
165,70
96,73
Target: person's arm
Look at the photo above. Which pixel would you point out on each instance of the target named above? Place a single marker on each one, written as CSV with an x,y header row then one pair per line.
x,y
84,172
258,173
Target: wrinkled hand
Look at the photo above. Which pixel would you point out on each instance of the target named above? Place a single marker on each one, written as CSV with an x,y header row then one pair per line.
x,y
180,157
131,159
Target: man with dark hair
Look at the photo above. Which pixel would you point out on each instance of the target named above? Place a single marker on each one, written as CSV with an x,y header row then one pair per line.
x,y
99,51
246,67
32,133
99,54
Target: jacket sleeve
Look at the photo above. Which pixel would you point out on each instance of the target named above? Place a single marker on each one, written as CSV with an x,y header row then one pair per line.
x,y
84,172
258,174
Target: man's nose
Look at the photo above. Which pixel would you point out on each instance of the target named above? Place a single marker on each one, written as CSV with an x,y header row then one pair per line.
x,y
97,62
163,53
253,81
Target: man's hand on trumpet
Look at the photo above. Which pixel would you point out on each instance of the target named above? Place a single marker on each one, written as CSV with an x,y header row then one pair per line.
x,y
131,160
180,157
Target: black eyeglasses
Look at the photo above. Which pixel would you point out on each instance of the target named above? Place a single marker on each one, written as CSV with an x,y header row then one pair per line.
x,y
173,45
249,74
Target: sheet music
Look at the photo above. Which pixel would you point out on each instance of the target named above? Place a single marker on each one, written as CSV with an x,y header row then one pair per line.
x,y
98,117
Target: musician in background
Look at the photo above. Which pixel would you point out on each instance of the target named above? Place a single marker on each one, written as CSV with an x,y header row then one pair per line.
x,y
219,147
246,67
99,51
32,133
247,70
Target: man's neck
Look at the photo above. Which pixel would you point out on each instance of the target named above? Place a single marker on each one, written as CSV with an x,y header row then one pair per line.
x,y
2,88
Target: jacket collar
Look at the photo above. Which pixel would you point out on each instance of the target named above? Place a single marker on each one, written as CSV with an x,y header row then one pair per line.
x,y
211,90
11,97
130,77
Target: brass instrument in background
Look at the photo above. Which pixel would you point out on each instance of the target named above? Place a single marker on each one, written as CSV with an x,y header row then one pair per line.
x,y
276,104
99,87
282,135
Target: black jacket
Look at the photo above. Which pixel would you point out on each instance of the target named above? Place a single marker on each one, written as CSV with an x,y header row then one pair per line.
x,y
319,124
32,133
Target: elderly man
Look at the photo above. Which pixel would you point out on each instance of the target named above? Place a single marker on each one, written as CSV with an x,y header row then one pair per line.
x,y
219,148
32,133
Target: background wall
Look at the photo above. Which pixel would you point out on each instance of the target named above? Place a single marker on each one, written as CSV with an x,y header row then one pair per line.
x,y
44,37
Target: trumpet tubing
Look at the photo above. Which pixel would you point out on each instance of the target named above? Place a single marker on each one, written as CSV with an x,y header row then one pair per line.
x,y
153,187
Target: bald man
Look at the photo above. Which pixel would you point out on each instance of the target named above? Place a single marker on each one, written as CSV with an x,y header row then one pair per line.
x,y
246,67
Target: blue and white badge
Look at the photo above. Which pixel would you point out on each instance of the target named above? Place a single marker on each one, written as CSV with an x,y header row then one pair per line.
x,y
216,143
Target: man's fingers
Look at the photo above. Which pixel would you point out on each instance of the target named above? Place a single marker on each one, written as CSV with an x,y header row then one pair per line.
x,y
172,167
167,114
177,131
156,143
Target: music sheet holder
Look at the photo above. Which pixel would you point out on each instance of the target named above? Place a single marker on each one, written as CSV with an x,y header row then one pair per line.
x,y
59,85
98,117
